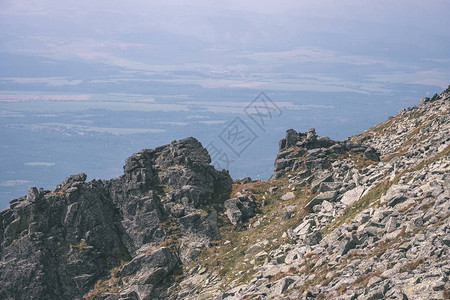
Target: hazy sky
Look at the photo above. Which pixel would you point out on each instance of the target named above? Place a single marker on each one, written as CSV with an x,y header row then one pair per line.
x,y
337,46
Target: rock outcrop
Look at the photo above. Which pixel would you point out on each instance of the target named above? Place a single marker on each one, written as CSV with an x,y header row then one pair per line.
x,y
58,244
311,153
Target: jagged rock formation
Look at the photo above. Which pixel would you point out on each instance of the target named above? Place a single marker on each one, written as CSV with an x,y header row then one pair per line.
x,y
315,152
57,244
364,218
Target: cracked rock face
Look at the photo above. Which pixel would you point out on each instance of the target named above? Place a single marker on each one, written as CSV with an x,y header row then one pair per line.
x,y
57,244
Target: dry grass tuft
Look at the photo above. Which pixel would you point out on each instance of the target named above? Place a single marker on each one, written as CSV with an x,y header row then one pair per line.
x,y
341,290
321,296
427,206
363,280
412,265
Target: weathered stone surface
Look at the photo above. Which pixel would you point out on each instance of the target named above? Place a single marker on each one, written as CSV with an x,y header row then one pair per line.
x,y
325,196
288,196
396,194
320,178
304,227
313,238
33,194
352,195
201,225
282,285
161,257
240,209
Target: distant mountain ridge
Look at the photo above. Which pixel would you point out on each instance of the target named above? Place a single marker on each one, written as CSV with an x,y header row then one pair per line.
x,y
363,218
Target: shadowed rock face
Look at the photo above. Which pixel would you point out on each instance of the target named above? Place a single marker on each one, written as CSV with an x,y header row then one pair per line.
x,y
57,244
173,180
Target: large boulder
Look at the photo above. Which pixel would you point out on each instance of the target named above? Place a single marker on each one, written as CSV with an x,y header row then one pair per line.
x,y
353,195
240,209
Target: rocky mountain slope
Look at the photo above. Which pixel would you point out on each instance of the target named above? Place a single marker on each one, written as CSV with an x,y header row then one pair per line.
x,y
364,218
